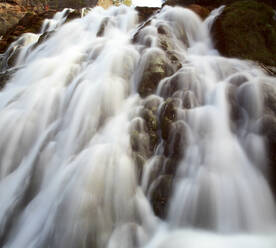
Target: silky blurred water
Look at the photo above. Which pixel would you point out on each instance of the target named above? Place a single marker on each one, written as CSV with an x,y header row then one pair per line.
x,y
67,175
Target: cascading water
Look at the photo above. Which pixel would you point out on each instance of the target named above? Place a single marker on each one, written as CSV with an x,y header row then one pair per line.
x,y
68,177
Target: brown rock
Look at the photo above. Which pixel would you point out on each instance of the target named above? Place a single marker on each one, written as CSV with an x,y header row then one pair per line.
x,y
199,10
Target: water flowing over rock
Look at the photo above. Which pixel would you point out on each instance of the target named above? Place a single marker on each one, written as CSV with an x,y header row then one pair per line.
x,y
122,129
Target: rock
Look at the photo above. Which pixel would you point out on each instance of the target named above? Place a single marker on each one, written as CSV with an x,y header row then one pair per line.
x,y
73,15
188,98
152,127
103,26
157,67
139,161
177,140
152,103
167,45
3,45
199,10
10,15
43,38
247,97
145,12
211,4
140,143
168,115
270,70
269,95
74,4
268,129
5,76
247,30
160,193
30,23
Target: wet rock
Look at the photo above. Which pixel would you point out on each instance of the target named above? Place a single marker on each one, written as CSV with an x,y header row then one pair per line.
x,y
5,76
247,30
59,5
177,140
43,38
268,129
211,4
248,98
145,12
157,67
238,80
140,143
160,193
269,95
189,99
170,166
103,26
139,161
152,127
150,119
73,15
157,168
168,115
199,10
234,107
167,45
163,29
270,70
30,23
152,103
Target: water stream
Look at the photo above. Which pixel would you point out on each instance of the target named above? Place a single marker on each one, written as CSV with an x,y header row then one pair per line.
x,y
67,173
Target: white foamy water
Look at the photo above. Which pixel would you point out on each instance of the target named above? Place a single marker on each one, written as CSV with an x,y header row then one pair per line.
x,y
67,174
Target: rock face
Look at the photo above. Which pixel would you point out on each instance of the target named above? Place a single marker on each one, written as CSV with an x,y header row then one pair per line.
x,y
31,22
247,30
75,4
10,14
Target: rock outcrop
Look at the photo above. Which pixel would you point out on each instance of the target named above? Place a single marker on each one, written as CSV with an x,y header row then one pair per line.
x,y
247,30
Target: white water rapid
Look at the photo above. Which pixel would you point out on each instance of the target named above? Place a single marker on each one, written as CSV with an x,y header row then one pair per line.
x,y
67,173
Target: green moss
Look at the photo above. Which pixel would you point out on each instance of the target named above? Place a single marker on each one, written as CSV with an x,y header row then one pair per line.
x,y
248,30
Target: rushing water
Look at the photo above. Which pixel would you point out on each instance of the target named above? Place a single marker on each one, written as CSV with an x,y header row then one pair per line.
x,y
67,174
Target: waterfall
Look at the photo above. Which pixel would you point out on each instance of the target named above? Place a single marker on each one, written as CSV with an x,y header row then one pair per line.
x,y
102,93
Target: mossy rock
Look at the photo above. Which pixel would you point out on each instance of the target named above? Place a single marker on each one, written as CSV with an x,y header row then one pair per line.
x,y
247,30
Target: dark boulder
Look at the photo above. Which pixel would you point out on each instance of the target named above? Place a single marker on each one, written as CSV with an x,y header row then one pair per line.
x,y
247,30
145,12
160,193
